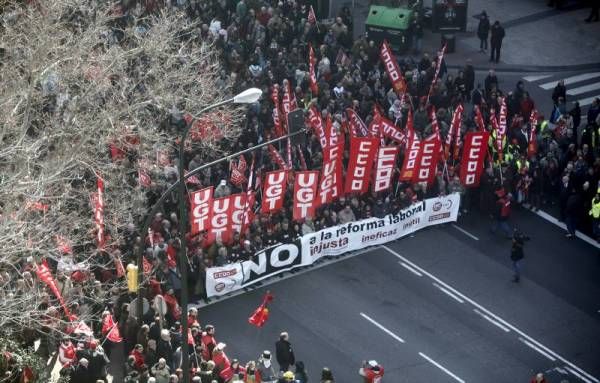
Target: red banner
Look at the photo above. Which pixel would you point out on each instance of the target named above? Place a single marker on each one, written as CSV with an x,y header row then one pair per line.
x,y
357,125
411,157
277,123
375,125
273,191
473,158
201,202
437,71
316,123
428,159
479,119
384,167
328,185
288,102
532,146
220,220
249,201
390,130
392,68
276,157
501,127
305,194
362,156
312,60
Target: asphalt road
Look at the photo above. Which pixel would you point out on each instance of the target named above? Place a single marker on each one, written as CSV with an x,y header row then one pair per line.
x,y
436,307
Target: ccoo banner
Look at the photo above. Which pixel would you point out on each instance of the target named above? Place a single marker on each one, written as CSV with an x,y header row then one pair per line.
x,y
331,241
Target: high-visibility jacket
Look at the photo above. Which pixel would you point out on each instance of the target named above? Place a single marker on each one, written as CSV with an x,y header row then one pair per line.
x,y
544,131
595,210
519,164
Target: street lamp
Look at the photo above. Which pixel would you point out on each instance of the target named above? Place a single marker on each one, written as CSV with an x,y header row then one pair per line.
x,y
248,96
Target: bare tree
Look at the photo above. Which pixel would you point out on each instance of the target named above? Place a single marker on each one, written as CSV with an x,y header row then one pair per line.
x,y
79,77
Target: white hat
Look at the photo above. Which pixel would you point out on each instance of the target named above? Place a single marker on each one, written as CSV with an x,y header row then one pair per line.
x,y
220,346
373,363
223,182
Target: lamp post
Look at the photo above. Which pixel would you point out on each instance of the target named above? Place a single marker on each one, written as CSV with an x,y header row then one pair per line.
x,y
248,96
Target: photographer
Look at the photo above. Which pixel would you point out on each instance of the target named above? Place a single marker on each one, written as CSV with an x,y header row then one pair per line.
x,y
371,371
516,253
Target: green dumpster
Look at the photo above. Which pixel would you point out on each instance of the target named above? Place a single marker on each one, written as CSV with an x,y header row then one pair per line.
x,y
391,24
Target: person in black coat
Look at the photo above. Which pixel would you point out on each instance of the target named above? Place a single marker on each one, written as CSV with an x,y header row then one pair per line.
x,y
516,253
483,30
560,91
284,352
496,41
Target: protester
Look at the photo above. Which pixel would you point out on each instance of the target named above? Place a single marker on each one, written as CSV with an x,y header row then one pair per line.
x,y
497,35
483,30
284,352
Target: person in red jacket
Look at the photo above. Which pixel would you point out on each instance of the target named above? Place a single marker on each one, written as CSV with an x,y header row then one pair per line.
x,y
66,353
138,354
208,342
538,378
371,371
503,206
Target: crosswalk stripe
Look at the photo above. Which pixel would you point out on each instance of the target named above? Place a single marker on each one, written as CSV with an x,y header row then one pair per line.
x,y
571,80
584,89
588,101
536,78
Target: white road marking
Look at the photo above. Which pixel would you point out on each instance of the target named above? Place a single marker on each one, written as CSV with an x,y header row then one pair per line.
x,y
492,315
441,367
578,375
382,328
536,348
465,232
495,323
448,293
578,234
584,89
407,267
536,78
587,101
571,80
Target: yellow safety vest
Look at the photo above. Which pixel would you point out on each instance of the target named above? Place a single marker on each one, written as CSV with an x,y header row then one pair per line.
x,y
595,210
519,164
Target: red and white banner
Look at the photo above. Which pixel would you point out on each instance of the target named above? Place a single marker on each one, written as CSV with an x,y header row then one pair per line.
x,y
277,122
532,145
238,203
312,60
501,127
362,156
329,183
288,102
479,119
305,194
249,202
316,123
276,157
392,68
201,202
357,125
454,130
274,187
437,71
411,154
473,158
220,220
384,167
375,125
435,126
390,130
98,208
237,177
428,158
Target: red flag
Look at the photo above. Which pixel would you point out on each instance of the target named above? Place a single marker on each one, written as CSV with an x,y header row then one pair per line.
x,y
473,157
242,165
532,147
392,68
428,159
274,190
277,122
312,18
289,100
312,60
316,123
357,126
201,209
362,156
144,178
43,273
237,178
411,158
305,194
391,131
384,167
454,130
259,317
110,330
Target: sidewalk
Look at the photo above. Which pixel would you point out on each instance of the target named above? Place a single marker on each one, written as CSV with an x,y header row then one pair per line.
x,y
538,38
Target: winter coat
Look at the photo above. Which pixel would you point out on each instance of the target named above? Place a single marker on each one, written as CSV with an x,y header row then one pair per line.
x,y
284,353
483,29
497,35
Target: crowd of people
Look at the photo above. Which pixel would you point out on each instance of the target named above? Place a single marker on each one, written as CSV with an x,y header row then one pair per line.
x,y
261,45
